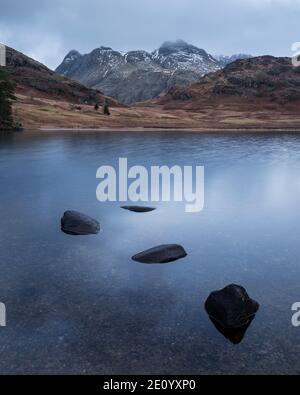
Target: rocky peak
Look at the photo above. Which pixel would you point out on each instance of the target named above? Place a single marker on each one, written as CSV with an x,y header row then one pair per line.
x,y
180,55
104,56
102,48
135,57
125,75
173,47
72,56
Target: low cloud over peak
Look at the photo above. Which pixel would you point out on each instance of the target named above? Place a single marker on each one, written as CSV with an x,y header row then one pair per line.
x,y
47,30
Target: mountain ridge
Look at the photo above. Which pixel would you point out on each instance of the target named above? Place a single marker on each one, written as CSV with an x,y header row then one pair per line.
x,y
265,79
119,74
33,78
261,93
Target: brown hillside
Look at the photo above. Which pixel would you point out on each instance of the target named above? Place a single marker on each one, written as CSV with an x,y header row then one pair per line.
x,y
36,80
250,83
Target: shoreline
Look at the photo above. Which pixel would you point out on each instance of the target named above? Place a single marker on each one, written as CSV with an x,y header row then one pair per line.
x,y
243,131
182,130
49,115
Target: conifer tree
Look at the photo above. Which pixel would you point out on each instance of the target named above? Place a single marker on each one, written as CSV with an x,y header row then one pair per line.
x,y
106,107
6,97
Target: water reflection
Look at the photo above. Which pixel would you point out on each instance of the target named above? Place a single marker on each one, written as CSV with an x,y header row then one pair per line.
x,y
234,335
82,305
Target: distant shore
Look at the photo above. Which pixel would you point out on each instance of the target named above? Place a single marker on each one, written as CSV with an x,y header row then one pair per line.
x,y
183,130
46,114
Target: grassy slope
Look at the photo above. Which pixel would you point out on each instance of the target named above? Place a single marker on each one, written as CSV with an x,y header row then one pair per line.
x,y
38,113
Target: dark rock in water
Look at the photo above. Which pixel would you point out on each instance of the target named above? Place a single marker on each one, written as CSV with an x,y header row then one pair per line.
x,y
77,224
139,209
161,254
231,307
234,335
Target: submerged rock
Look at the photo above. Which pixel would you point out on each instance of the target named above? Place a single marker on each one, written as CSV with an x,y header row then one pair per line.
x,y
78,224
231,307
139,209
161,254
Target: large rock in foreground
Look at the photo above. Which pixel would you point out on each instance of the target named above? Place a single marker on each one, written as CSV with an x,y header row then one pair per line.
x,y
231,307
162,254
139,209
78,224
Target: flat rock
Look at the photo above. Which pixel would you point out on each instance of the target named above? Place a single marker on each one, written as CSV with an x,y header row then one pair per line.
x,y
231,307
161,254
78,224
139,209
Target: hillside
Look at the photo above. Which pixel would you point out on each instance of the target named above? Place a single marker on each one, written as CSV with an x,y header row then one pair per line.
x,y
35,80
225,60
252,82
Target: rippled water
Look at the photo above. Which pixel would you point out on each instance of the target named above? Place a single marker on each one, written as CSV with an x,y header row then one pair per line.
x,y
81,305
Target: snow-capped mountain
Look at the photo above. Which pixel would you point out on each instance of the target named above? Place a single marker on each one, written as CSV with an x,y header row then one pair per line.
x,y
138,75
224,60
180,55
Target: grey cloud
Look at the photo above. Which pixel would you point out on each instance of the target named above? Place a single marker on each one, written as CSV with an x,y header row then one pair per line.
x,y
48,29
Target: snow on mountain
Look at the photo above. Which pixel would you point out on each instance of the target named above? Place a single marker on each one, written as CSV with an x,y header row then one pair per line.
x,y
225,60
139,75
180,55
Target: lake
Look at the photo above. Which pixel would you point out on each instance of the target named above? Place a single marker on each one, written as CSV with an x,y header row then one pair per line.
x,y
81,305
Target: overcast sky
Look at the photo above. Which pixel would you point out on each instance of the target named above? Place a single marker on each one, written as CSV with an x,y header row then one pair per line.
x,y
48,29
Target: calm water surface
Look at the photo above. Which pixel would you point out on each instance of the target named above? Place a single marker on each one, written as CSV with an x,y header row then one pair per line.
x,y
81,305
